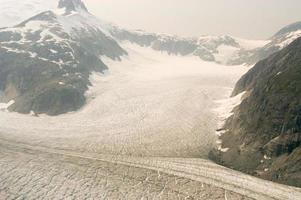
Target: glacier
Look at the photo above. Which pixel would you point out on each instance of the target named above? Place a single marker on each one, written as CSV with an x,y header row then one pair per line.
x,y
148,104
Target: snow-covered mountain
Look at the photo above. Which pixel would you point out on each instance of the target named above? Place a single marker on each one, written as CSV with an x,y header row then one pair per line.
x,y
280,40
219,49
52,55
54,52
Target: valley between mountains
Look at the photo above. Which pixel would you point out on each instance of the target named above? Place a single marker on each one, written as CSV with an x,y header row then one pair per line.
x,y
89,110
143,144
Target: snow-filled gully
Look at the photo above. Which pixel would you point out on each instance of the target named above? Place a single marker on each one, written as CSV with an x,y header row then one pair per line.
x,y
150,110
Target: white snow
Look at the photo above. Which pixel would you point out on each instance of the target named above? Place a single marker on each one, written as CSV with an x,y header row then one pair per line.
x,y
33,54
251,44
5,106
225,53
289,38
225,107
148,104
223,149
224,110
53,51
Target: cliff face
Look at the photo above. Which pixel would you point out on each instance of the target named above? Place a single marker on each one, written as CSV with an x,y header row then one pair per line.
x,y
264,134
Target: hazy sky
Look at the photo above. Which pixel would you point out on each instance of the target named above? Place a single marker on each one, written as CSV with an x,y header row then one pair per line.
x,y
253,19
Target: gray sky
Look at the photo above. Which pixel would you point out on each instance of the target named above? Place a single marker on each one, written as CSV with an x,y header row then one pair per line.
x,y
252,19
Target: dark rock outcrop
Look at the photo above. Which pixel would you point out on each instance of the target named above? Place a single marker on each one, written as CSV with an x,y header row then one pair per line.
x,y
264,134
72,5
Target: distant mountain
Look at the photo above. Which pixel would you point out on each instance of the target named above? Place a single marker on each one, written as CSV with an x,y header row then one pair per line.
x,y
264,134
45,61
280,40
219,49
289,29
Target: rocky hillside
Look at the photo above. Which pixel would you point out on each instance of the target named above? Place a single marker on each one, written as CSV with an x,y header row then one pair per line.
x,y
263,137
45,61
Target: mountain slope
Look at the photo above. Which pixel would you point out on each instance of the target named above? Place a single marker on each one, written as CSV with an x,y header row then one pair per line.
x,y
46,60
264,134
289,29
280,40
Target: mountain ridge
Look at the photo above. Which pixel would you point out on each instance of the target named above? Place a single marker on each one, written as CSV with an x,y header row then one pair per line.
x,y
221,49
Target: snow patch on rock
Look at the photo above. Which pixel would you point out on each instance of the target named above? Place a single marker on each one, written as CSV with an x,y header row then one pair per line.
x,y
5,106
224,110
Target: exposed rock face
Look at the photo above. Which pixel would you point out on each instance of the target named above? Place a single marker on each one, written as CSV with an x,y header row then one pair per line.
x,y
72,5
264,134
45,61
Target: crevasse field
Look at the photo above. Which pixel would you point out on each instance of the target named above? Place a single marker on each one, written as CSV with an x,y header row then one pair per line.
x,y
147,104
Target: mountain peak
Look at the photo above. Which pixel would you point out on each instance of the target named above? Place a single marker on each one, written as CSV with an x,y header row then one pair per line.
x,y
72,5
290,28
